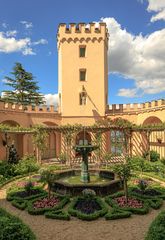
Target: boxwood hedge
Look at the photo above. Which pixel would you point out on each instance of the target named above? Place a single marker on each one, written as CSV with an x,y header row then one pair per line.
x,y
160,190
57,214
40,211
157,228
116,213
13,195
20,204
110,201
88,217
12,228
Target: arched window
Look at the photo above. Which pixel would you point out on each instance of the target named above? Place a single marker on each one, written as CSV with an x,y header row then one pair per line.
x,y
83,98
152,121
83,137
117,142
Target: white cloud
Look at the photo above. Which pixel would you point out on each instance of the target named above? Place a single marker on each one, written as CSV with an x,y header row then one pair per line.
x,y
9,44
41,41
4,25
136,57
158,16
28,51
27,24
126,92
51,99
11,33
157,6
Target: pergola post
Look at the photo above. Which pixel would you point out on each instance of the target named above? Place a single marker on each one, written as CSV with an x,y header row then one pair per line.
x,y
148,141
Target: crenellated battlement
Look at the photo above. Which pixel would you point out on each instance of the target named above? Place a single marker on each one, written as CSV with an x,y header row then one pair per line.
x,y
113,108
82,28
82,32
136,107
28,109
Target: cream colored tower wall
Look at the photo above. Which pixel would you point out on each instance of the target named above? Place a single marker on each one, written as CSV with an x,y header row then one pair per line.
x,y
95,63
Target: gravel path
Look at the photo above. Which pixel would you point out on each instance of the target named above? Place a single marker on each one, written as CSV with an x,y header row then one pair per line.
x,y
133,228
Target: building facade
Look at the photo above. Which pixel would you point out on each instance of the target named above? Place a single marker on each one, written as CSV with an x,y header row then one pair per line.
x,y
83,95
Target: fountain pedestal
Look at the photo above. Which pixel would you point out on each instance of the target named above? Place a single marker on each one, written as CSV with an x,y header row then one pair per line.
x,y
84,151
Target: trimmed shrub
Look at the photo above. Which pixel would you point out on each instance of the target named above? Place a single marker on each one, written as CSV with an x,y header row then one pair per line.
x,y
136,192
142,184
154,156
155,203
88,217
163,160
13,195
157,228
7,170
140,164
116,213
12,228
145,209
26,165
87,192
58,214
19,204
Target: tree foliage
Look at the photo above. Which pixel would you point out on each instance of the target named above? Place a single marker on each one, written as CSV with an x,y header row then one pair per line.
x,y
48,177
39,139
123,171
24,88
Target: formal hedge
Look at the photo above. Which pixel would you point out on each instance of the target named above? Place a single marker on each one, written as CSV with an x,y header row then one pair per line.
x,y
155,203
20,204
12,228
110,201
158,189
116,213
157,228
13,194
57,214
88,217
40,211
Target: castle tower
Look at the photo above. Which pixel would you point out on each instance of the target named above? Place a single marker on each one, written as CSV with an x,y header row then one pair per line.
x,y
83,72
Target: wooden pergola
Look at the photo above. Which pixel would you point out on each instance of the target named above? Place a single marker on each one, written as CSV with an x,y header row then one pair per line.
x,y
72,131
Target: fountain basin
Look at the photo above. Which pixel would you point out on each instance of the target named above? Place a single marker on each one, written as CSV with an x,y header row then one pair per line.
x,y
103,182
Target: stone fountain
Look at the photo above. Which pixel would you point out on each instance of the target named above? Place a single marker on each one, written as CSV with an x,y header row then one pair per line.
x,y
84,149
104,183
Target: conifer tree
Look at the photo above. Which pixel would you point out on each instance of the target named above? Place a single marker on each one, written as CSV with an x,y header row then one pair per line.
x,y
24,88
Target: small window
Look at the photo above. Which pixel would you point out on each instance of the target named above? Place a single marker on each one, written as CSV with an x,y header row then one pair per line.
x,y
82,75
82,51
83,98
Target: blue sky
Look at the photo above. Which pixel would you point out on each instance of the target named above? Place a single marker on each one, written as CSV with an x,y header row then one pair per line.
x,y
136,50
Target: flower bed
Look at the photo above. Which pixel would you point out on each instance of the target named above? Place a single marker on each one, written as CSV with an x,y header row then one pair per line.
x,y
22,184
135,205
46,202
87,205
132,202
148,193
87,208
43,204
26,195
